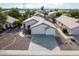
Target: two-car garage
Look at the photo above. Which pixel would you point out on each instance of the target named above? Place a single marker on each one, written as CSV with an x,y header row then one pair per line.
x,y
75,31
43,29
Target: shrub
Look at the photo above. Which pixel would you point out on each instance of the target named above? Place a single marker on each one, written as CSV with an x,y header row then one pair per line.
x,y
64,30
14,12
19,21
29,31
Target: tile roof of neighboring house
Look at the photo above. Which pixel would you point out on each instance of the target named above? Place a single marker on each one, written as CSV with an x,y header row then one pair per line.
x,y
11,19
70,22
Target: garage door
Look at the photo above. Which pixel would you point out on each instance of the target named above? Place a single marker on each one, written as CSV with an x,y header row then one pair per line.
x,y
40,29
75,31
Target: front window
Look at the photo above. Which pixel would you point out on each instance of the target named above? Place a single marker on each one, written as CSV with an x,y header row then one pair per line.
x,y
29,30
28,26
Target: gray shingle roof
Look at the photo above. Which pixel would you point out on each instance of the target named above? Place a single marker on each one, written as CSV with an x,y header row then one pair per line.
x,y
43,21
40,21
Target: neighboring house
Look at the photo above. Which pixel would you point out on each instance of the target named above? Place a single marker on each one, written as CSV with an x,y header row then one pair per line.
x,y
43,11
39,25
9,22
45,14
51,15
37,13
69,23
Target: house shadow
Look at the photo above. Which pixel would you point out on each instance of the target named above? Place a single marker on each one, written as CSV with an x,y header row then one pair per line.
x,y
46,41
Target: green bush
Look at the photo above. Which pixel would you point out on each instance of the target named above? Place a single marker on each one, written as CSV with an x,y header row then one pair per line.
x,y
19,21
14,12
73,13
64,30
29,13
3,18
1,28
58,14
29,31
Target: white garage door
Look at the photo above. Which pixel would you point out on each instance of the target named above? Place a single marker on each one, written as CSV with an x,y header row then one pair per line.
x,y
50,31
75,31
40,29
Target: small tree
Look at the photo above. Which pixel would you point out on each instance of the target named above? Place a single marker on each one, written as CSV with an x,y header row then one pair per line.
x,y
19,21
1,28
58,14
74,13
1,9
14,12
53,18
55,9
29,13
3,18
32,12
55,15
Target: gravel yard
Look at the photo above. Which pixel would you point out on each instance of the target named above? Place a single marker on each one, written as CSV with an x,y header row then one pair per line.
x,y
11,40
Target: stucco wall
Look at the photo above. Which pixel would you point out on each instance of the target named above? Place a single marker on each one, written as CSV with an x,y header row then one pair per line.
x,y
38,29
30,23
51,31
43,29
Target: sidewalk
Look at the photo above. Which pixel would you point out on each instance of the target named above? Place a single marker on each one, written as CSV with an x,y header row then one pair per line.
x,y
42,53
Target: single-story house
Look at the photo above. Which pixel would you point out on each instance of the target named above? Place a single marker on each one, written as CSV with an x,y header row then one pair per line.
x,y
37,13
69,23
29,22
39,25
51,15
9,22
45,13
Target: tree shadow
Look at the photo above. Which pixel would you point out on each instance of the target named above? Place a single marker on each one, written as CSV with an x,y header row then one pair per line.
x,y
46,41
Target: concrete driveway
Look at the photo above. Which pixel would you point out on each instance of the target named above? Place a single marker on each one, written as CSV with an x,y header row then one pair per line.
x,y
43,43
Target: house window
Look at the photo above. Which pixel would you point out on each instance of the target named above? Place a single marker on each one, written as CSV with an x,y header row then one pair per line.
x,y
6,26
28,26
24,26
29,30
